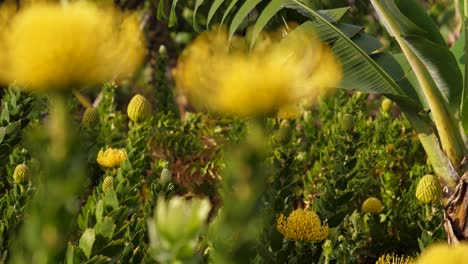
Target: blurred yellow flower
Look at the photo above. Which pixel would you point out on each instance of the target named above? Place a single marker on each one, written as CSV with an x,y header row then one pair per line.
x,y
274,74
443,253
51,47
302,225
395,259
111,157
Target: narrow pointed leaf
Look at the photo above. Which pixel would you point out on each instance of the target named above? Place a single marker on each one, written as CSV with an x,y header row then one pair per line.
x,y
198,3
228,10
214,7
268,12
244,10
160,13
172,15
333,15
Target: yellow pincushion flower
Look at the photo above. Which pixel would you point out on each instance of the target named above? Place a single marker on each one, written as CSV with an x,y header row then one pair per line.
x,y
274,74
51,47
111,157
443,253
395,259
372,205
289,112
302,225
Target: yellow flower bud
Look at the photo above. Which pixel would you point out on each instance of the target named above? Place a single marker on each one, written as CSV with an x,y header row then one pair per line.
x,y
347,123
139,108
372,205
90,117
428,189
21,174
108,184
386,105
284,133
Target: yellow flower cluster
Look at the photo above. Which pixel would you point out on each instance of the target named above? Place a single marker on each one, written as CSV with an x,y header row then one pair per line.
x,y
111,157
372,205
275,73
302,225
443,253
50,46
395,259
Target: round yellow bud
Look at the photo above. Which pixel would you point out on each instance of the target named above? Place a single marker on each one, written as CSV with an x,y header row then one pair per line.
x,y
284,133
428,189
90,117
21,174
166,176
347,123
108,184
139,108
372,205
386,105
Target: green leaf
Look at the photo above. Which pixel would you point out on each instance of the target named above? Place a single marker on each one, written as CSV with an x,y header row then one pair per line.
x,y
228,10
70,254
414,11
333,15
172,15
198,3
87,241
244,10
160,13
442,66
268,12
99,210
105,228
110,199
216,4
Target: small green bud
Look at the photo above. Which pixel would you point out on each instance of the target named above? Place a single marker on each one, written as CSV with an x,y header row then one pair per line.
x,y
108,184
347,123
428,189
162,51
284,133
166,176
138,109
90,117
386,105
372,205
21,174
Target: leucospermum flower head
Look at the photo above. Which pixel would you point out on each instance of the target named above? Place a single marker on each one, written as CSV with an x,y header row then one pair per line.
x,y
372,205
274,74
302,225
395,259
52,46
443,253
111,157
